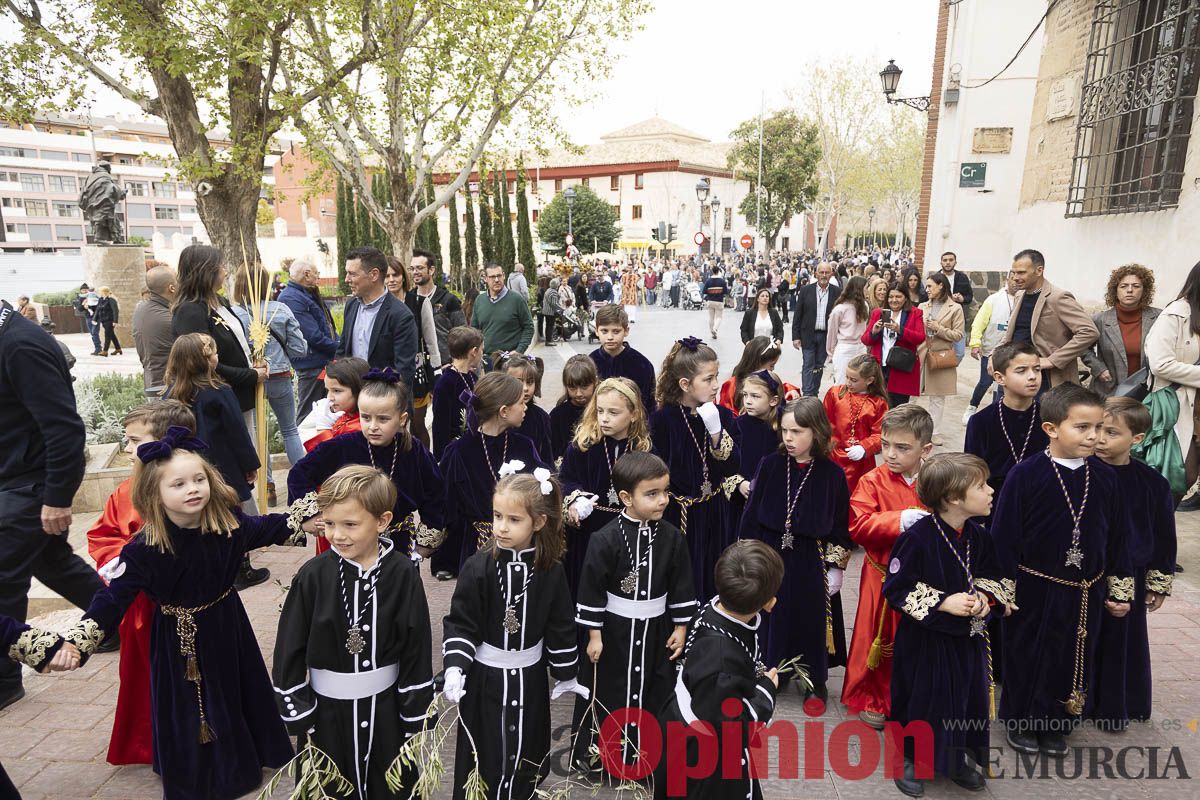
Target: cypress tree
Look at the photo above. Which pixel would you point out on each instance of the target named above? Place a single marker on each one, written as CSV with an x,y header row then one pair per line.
x,y
345,230
432,237
471,252
456,260
525,252
363,233
486,243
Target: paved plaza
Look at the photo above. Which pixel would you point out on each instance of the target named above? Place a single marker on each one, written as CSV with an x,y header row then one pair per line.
x,y
53,742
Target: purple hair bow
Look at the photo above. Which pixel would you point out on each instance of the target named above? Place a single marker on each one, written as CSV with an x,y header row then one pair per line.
x,y
691,343
771,383
387,374
176,438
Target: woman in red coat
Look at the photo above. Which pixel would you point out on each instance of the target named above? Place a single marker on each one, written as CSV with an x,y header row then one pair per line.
x,y
905,328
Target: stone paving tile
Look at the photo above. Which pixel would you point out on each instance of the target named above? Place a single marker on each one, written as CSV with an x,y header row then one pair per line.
x,y
41,763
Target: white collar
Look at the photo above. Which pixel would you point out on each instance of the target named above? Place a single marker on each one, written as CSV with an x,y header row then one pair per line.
x,y
385,546
746,625
1069,463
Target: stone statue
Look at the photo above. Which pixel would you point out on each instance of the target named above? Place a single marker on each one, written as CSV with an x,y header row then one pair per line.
x,y
98,198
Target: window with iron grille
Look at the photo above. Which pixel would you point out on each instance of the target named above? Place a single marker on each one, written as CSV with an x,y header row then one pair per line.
x,y
1136,107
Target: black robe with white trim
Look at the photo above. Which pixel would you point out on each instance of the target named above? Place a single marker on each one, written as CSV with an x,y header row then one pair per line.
x,y
506,712
635,670
362,736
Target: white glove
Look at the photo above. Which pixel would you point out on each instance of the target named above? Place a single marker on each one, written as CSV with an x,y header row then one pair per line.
x,y
112,570
835,575
456,685
856,452
910,517
583,506
712,418
562,687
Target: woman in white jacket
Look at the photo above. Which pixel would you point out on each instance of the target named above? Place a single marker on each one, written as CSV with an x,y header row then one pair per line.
x,y
1172,351
987,331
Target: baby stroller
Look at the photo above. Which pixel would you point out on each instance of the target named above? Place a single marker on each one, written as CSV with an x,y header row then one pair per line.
x,y
691,297
565,327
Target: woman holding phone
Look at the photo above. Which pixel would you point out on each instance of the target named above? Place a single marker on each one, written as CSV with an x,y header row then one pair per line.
x,y
894,333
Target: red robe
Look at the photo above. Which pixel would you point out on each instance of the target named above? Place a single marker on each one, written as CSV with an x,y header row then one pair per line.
x,y
132,740
864,428
346,423
875,508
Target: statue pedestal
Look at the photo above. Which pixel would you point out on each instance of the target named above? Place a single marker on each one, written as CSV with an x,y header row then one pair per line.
x,y
122,268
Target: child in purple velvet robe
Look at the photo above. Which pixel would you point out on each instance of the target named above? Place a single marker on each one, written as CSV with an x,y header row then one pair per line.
x,y
616,359
536,424
579,384
449,411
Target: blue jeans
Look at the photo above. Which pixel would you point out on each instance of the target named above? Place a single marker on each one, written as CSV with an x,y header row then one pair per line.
x,y
813,353
960,349
94,330
279,394
985,382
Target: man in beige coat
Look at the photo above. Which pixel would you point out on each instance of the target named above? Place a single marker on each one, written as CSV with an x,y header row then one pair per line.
x,y
1050,318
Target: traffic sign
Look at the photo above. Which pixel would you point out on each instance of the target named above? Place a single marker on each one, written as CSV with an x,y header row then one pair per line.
x,y
747,241
699,238
570,239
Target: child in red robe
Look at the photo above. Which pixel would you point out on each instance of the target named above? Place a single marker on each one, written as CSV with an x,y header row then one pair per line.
x,y
338,412
131,734
883,505
855,410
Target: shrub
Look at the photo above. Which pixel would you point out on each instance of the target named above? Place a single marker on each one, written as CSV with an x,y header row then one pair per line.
x,y
56,298
103,401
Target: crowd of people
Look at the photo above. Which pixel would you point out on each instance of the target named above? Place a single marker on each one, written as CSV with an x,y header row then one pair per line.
x,y
684,536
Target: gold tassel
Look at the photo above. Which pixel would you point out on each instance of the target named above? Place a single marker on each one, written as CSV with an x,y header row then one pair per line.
x,y
192,672
829,646
875,654
991,701
206,734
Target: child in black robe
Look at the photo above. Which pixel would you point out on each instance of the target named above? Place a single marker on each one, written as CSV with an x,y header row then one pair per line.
x,y
635,600
510,617
616,359
449,410
944,579
1123,677
579,384
354,644
724,684
536,424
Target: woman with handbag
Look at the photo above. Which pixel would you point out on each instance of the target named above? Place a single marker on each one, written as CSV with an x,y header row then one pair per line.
x,y
761,319
894,341
1123,327
944,325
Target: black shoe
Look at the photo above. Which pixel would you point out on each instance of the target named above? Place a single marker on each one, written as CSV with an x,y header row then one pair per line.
x,y
1023,742
110,645
970,779
249,576
11,696
585,767
1053,744
1191,504
444,575
909,784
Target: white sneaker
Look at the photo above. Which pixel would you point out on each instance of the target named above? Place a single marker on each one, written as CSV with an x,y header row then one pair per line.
x,y
967,414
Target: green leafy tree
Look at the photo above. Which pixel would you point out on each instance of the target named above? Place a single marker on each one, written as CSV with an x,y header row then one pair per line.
x,y
363,228
447,78
487,243
790,155
595,224
345,230
525,252
456,256
210,69
470,251
432,237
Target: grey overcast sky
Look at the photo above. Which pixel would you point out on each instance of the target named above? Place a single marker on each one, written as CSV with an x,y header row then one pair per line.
x,y
703,64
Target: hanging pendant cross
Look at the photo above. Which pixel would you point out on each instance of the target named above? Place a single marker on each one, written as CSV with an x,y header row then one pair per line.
x,y
706,489
612,498
511,625
1075,557
978,626
355,643
629,583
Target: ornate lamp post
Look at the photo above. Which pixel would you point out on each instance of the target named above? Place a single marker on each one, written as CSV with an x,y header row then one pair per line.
x,y
569,196
701,197
716,240
889,76
871,217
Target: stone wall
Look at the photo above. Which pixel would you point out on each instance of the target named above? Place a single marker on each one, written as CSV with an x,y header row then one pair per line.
x,y
121,268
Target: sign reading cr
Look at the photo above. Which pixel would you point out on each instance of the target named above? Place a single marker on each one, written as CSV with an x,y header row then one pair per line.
x,y
972,175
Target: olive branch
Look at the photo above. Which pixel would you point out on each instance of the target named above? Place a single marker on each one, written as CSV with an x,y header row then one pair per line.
x,y
313,771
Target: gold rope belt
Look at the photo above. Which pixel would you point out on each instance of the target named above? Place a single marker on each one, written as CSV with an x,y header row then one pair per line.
x,y
684,504
879,650
483,534
185,627
1078,697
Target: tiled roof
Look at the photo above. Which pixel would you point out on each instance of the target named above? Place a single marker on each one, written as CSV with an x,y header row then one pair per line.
x,y
649,141
656,128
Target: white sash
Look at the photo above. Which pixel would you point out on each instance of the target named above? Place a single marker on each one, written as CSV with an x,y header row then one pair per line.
x,y
353,685
636,609
508,659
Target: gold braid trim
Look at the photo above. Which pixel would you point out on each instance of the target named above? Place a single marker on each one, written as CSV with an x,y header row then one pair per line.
x,y
730,485
33,647
997,589
921,600
1120,589
298,513
483,534
723,450
568,500
86,636
836,555
426,536
1159,582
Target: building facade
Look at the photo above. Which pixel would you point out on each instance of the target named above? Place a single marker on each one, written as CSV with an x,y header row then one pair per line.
x,y
1110,168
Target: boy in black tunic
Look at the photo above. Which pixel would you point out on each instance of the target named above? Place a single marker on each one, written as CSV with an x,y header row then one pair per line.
x,y
724,685
353,659
635,600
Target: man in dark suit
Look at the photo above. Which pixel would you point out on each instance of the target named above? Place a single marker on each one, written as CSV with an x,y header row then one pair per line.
x,y
378,328
814,301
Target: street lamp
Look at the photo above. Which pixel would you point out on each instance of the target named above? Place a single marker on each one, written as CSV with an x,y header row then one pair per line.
x,y
889,76
716,242
701,196
569,196
871,217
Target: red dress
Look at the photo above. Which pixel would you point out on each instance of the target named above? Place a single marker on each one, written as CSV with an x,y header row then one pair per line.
x,y
875,508
346,423
855,419
132,737
912,335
